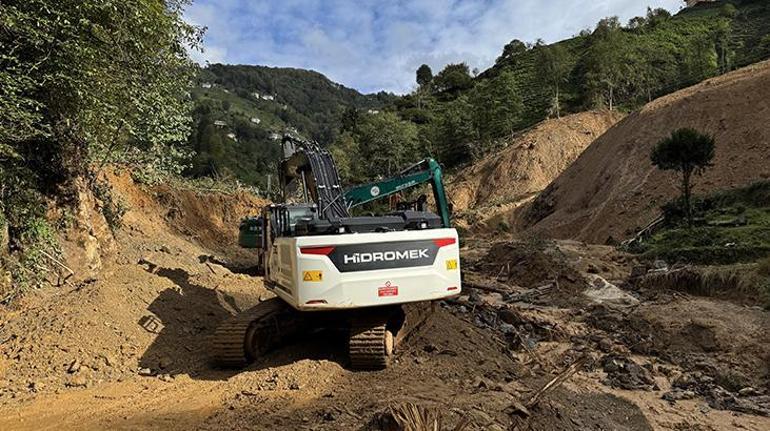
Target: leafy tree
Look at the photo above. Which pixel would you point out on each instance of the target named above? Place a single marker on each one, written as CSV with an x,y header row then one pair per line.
x,y
453,79
688,152
553,66
497,108
385,145
657,16
424,75
512,50
454,131
637,22
728,10
725,54
84,83
605,64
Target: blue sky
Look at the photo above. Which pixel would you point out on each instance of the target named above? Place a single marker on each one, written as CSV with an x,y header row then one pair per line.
x,y
375,45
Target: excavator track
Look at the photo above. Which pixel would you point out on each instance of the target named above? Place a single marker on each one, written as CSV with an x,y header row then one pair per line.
x,y
375,337
230,346
370,345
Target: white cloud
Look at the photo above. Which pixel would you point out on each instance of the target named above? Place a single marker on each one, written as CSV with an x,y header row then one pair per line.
x,y
373,45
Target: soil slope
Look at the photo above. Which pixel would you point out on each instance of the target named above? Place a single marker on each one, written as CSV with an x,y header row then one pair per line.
x,y
612,189
530,160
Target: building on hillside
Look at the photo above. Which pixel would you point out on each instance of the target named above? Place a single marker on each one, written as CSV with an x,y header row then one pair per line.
x,y
373,111
232,136
691,3
275,136
206,85
268,97
220,123
255,120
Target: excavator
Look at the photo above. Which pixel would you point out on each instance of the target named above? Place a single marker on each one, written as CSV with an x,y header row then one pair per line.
x,y
371,276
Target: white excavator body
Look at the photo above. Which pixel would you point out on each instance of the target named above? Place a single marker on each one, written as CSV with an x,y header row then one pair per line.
x,y
332,272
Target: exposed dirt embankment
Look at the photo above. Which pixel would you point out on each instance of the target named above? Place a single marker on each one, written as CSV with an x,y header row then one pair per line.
x,y
530,160
612,188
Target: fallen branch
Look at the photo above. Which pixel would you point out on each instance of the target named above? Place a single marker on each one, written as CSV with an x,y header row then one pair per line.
x,y
56,261
486,287
556,382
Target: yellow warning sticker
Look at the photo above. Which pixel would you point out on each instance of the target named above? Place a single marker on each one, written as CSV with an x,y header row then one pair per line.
x,y
451,264
312,275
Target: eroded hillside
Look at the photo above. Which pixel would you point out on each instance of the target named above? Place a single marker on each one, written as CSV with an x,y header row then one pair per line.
x,y
613,189
528,162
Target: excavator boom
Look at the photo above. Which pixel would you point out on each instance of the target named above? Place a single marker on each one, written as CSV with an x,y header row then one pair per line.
x,y
426,171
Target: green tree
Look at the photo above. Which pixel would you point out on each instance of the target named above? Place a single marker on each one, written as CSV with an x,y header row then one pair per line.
x,y
386,144
497,108
453,79
728,10
605,64
512,50
688,152
553,66
454,131
84,83
424,75
725,53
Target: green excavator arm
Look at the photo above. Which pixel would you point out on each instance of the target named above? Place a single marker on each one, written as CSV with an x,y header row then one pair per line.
x,y
426,171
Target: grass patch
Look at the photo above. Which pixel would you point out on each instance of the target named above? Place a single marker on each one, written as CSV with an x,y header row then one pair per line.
x,y
732,226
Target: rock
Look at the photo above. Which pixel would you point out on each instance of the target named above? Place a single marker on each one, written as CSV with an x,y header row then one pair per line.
x,y
78,381
605,345
747,392
110,360
510,316
295,386
603,292
430,348
36,386
506,328
145,372
624,373
164,249
592,269
678,394
74,367
166,377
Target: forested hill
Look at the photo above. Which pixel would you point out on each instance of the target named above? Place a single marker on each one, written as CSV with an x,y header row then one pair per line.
x,y
614,65
628,64
241,110
458,116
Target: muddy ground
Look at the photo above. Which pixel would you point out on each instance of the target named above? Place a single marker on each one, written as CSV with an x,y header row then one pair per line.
x,y
128,349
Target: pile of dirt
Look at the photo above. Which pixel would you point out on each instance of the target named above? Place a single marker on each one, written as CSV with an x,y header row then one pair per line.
x,y
612,189
529,161
164,283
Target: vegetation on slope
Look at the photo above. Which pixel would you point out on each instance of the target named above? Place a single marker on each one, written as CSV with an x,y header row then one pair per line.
x,y
458,116
730,226
241,111
83,83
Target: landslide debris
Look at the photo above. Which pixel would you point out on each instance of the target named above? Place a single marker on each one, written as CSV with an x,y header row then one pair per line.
x,y
612,190
528,162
